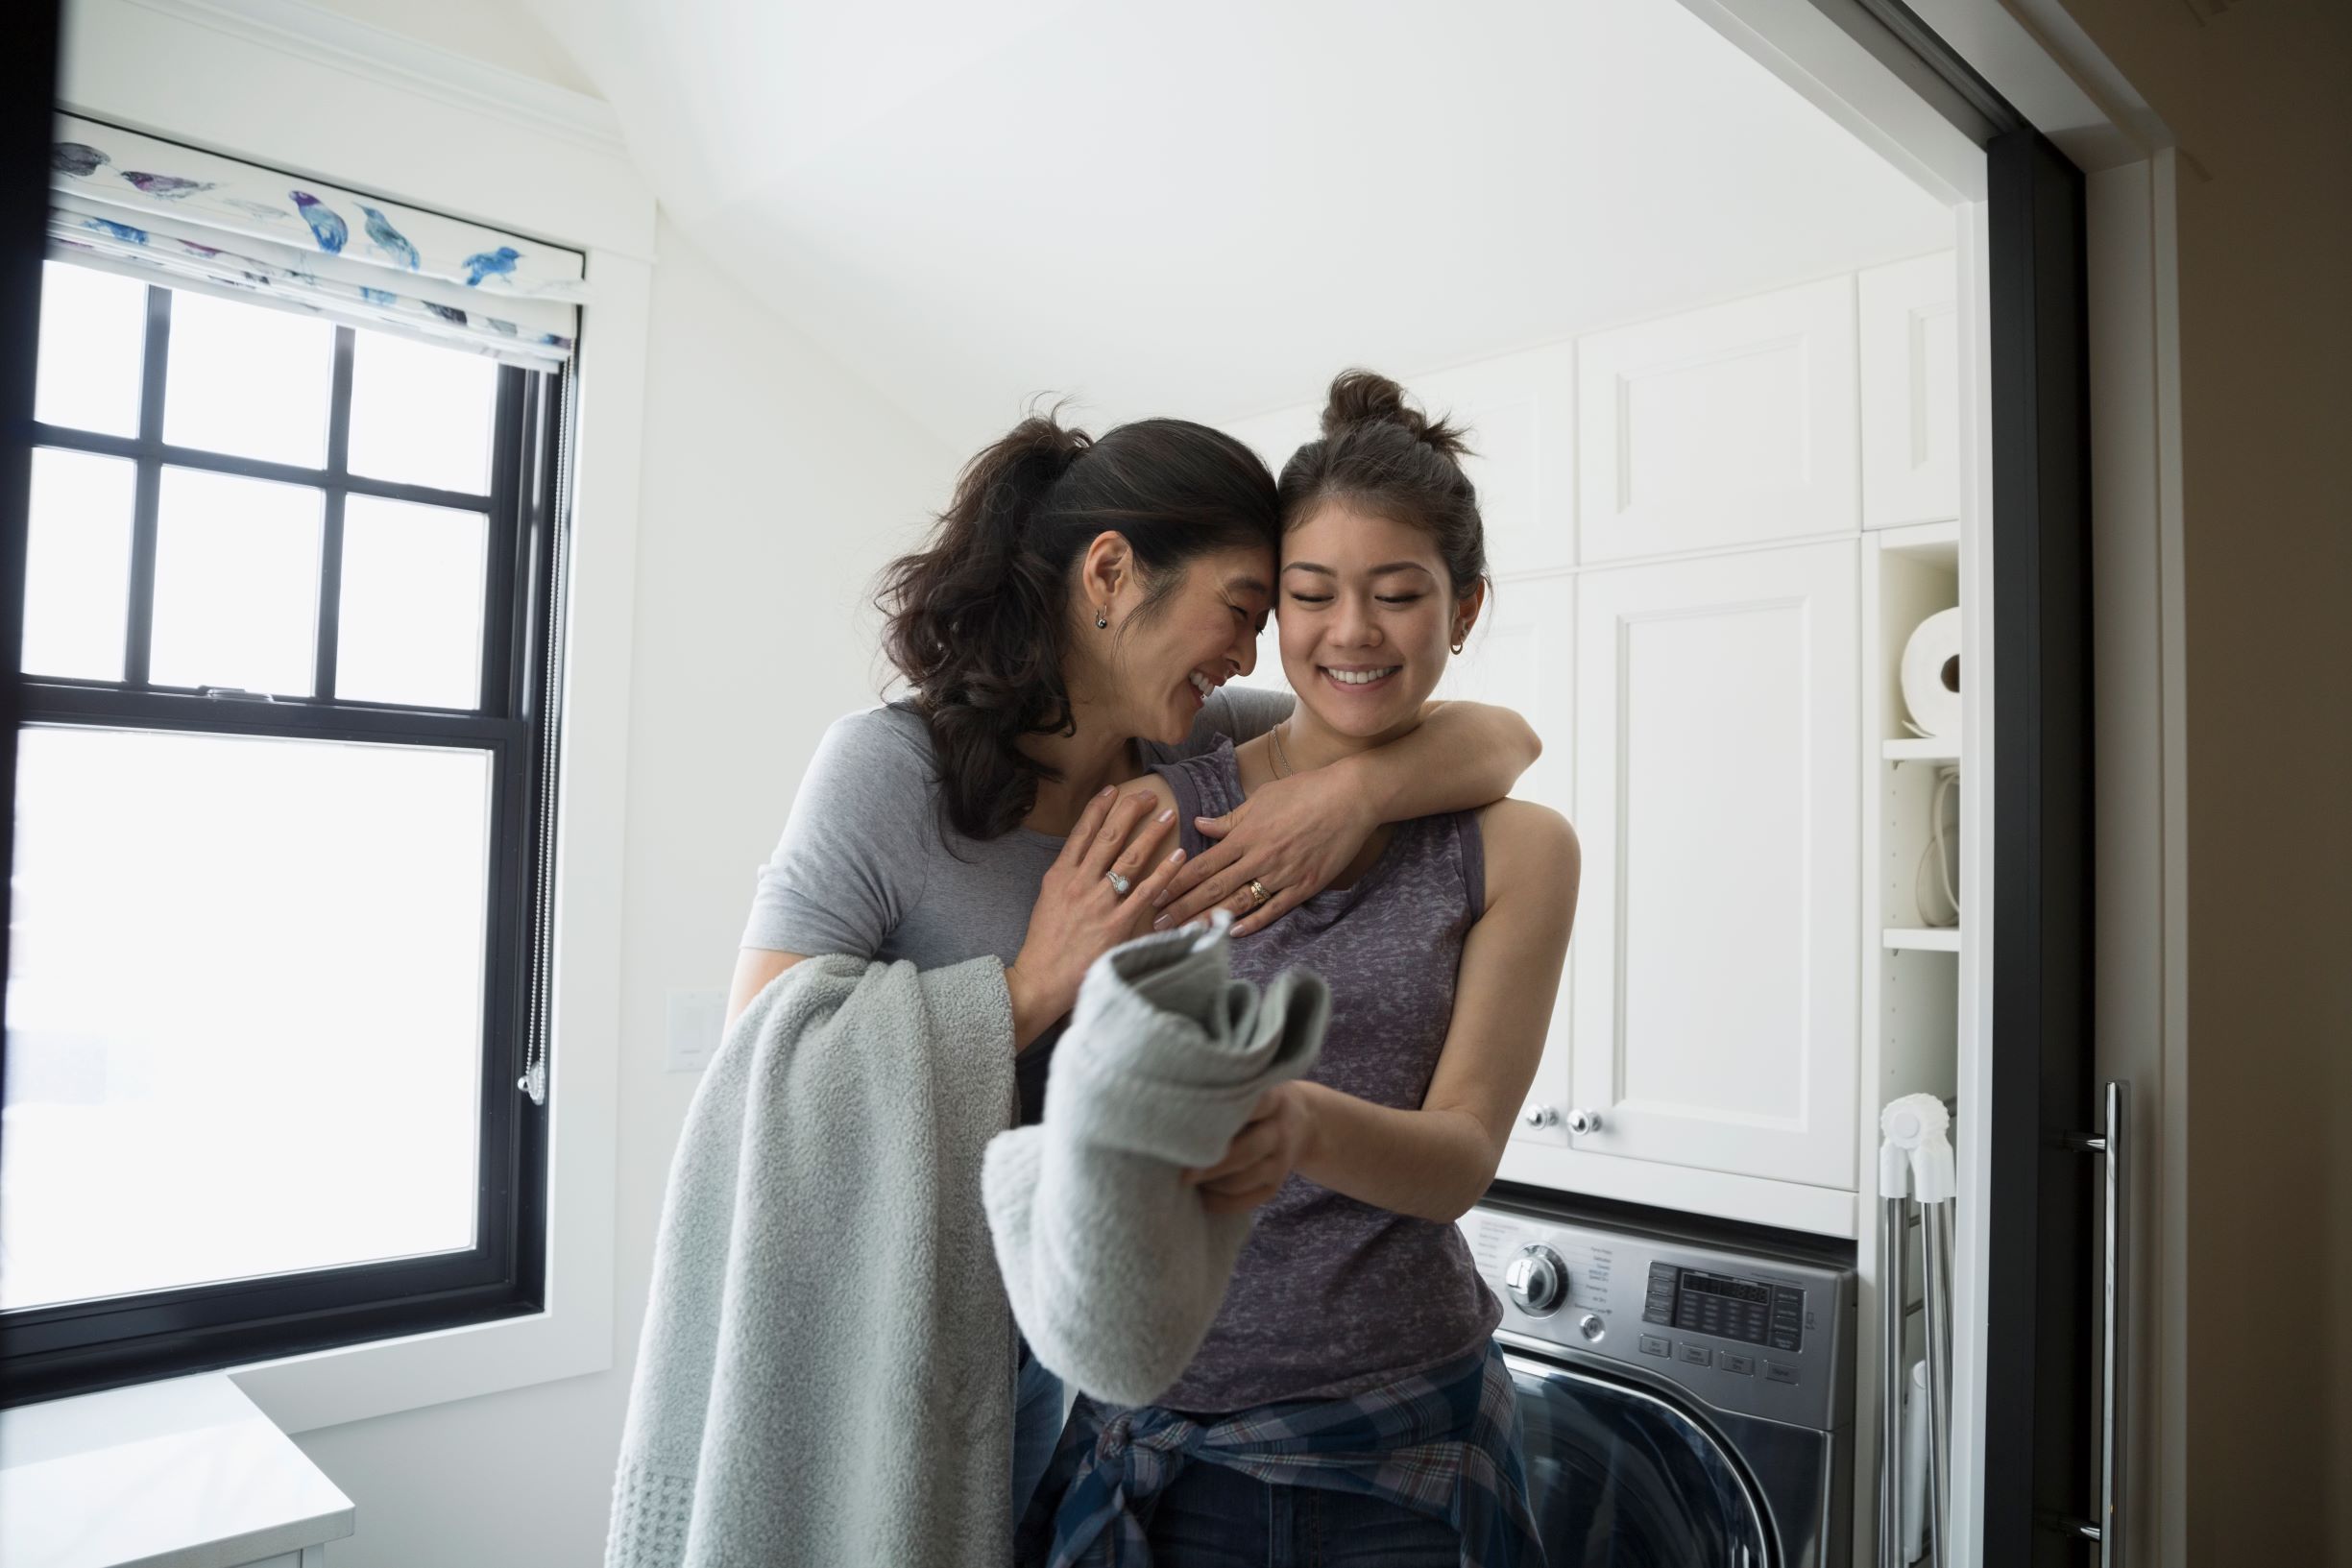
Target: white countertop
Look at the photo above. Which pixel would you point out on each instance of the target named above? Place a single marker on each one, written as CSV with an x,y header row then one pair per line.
x,y
180,1474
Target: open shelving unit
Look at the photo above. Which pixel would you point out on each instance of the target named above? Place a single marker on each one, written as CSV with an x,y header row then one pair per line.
x,y
1911,936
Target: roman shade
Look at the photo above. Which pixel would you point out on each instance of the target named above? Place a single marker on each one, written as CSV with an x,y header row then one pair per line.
x,y
195,220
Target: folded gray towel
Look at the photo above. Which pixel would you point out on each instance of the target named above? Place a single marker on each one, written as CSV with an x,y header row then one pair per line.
x,y
1114,1268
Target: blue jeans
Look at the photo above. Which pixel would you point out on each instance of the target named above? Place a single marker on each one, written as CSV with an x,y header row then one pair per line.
x,y
1037,1426
1212,1517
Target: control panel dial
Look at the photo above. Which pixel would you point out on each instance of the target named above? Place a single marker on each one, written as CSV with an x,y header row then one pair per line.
x,y
1536,1279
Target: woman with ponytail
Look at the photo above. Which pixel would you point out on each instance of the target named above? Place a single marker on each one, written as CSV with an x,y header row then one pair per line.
x,y
1348,1405
1073,620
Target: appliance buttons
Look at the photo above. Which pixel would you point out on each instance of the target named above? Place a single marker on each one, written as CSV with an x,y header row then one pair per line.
x,y
1775,1372
1653,1345
1743,1366
1698,1355
1591,1327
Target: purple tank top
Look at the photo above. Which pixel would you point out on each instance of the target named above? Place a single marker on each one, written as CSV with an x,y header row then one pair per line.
x,y
1333,1296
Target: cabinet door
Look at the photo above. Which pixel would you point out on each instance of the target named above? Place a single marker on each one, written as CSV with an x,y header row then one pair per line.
x,y
1520,412
1719,427
1718,949
1522,655
1910,391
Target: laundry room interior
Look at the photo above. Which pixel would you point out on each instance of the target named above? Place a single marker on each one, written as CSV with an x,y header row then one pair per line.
x,y
485,462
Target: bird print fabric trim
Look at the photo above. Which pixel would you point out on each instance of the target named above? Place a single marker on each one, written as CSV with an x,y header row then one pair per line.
x,y
137,202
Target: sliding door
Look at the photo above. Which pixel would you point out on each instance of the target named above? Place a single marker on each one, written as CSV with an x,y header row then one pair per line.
x,y
2045,1290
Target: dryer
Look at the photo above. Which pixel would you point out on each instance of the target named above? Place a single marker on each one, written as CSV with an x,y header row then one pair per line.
x,y
1685,1392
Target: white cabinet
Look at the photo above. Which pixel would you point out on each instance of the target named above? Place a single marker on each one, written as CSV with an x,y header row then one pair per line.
x,y
1717,952
1719,427
1911,346
1522,655
1520,412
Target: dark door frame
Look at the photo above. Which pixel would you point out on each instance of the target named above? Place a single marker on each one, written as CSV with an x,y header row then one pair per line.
x,y
2040,1377
27,83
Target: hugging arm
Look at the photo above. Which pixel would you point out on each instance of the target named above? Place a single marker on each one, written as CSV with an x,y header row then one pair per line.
x,y
1436,1160
1293,835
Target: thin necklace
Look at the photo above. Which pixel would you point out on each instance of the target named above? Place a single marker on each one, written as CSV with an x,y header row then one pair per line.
x,y
1283,757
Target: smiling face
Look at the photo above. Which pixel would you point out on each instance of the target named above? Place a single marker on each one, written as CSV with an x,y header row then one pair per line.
x,y
1368,619
1172,649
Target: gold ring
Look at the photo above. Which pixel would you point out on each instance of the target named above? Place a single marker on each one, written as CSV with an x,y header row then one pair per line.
x,y
1257,891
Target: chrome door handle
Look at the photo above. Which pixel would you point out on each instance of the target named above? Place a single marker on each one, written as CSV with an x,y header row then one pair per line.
x,y
1582,1120
2113,1143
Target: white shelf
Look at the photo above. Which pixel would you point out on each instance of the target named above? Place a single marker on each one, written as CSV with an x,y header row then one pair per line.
x,y
1929,938
1937,748
1938,543
181,1473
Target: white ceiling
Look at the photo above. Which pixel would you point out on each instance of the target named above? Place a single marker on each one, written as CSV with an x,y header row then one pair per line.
x,y
1208,208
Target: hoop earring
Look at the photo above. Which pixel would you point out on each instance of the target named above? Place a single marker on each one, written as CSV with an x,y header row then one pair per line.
x,y
1460,640
1102,621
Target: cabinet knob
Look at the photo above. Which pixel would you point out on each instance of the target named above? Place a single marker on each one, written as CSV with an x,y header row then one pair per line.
x,y
1582,1120
1541,1116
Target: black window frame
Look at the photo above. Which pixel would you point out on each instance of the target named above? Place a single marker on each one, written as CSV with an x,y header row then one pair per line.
x,y
64,1348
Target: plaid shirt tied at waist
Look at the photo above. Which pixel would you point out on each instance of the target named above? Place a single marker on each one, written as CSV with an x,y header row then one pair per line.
x,y
1439,1442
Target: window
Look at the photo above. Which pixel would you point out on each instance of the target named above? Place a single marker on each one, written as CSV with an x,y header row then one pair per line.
x,y
281,839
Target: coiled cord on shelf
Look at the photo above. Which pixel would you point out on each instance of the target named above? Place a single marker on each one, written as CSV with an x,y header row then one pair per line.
x,y
1947,780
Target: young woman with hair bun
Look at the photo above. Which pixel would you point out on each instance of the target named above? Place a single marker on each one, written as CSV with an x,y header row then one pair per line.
x,y
1075,618
1348,1405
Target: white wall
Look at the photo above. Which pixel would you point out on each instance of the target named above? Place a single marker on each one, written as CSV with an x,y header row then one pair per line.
x,y
774,486
494,32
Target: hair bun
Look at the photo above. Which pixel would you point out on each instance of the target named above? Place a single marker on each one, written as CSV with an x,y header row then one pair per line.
x,y
1359,398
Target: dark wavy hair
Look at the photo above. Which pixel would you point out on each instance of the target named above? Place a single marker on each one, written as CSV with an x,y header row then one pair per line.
x,y
1383,457
978,619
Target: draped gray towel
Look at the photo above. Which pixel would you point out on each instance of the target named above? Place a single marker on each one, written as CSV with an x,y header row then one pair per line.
x,y
825,1376
1114,1268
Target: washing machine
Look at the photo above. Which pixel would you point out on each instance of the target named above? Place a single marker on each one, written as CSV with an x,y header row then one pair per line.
x,y
1686,1389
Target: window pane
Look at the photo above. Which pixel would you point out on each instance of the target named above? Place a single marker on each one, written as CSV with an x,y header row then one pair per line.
x,y
93,344
248,380
421,415
245,1008
77,563
236,582
410,629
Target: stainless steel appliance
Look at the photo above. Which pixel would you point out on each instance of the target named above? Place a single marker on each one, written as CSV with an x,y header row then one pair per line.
x,y
1686,1391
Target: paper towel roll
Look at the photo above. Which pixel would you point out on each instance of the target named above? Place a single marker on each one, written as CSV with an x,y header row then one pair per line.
x,y
1932,674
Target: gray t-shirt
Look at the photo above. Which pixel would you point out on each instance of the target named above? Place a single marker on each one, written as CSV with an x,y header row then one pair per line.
x,y
866,866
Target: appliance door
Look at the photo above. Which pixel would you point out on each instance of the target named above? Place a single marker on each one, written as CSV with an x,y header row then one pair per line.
x,y
1620,1477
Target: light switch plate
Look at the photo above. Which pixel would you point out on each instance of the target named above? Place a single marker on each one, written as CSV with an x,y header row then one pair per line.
x,y
695,1021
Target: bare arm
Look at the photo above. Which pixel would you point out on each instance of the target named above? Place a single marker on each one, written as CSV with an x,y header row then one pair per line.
x,y
753,968
1462,756
1294,835
1435,1162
